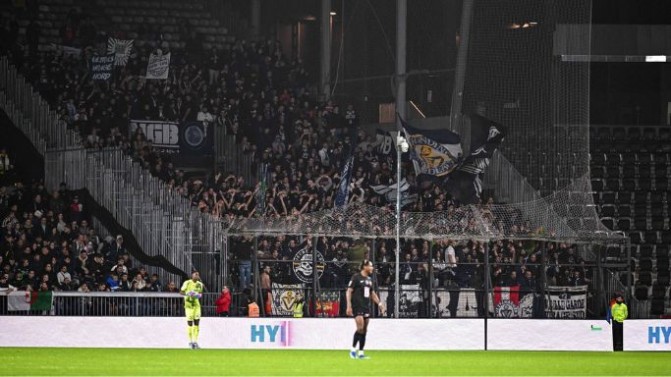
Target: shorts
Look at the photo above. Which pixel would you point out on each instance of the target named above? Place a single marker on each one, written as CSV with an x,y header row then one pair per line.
x,y
192,314
361,312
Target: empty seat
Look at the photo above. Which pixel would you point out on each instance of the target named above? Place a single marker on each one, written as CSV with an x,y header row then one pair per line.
x,y
608,197
651,237
646,251
641,292
640,223
662,264
624,210
645,278
657,307
608,222
642,184
636,237
624,223
645,264
662,252
608,210
658,291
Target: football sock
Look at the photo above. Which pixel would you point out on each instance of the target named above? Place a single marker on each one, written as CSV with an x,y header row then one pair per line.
x,y
356,340
362,342
196,332
190,332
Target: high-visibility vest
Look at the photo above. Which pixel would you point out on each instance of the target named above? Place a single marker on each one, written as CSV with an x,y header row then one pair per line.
x,y
298,309
253,309
620,312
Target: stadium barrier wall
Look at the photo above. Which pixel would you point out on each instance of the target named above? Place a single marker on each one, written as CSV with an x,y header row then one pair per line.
x,y
263,333
549,335
305,333
647,335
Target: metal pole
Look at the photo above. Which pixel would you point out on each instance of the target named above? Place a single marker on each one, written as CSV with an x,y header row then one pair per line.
x,y
460,72
401,23
487,291
398,228
326,49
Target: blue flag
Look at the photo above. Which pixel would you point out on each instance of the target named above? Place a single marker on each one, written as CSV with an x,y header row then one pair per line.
x,y
435,152
343,187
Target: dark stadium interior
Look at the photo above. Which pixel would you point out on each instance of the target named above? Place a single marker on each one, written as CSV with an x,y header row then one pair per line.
x,y
277,147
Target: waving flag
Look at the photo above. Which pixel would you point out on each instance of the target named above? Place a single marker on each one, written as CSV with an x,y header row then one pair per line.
x,y
436,152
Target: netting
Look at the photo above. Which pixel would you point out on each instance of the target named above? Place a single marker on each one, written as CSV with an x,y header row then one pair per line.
x,y
511,72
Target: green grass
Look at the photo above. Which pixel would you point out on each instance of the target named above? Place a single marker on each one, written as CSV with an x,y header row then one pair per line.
x,y
120,362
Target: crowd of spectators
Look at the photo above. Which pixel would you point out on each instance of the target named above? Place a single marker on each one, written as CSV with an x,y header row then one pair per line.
x,y
47,242
267,102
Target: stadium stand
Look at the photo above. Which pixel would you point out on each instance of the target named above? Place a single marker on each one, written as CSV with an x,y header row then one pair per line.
x,y
637,158
267,102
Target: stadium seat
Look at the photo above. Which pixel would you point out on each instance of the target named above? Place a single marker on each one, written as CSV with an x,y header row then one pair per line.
x,y
628,184
624,223
612,172
607,210
614,184
628,170
608,222
657,306
641,292
643,184
651,237
645,278
662,251
624,210
662,264
657,222
645,251
636,237
608,197
645,264
640,223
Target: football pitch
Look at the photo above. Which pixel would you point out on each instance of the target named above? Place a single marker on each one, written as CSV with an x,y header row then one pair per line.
x,y
171,362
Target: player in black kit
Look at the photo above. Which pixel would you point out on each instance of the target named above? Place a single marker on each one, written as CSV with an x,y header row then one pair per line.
x,y
360,291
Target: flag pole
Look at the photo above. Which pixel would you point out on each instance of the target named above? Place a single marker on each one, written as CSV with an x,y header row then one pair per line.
x,y
401,23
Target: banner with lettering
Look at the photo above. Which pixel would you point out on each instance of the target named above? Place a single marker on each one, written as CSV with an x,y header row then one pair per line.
x,y
102,67
456,303
283,298
158,66
566,302
164,135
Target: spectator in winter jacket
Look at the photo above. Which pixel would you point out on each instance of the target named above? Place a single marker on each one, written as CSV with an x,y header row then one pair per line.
x,y
224,302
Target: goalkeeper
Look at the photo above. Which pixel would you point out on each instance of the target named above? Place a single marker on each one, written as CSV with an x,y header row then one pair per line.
x,y
192,290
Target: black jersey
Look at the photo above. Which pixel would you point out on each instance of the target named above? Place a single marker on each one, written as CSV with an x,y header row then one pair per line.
x,y
362,287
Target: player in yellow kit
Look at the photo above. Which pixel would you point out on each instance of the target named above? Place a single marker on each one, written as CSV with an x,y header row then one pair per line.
x,y
192,290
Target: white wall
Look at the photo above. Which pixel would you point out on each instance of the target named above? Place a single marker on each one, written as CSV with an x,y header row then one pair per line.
x,y
554,335
647,335
304,333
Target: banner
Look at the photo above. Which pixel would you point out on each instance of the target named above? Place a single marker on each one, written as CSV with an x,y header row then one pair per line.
x,y
385,142
328,304
163,135
283,298
390,192
456,303
66,50
102,67
158,66
121,48
566,302
196,138
302,265
408,304
507,303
